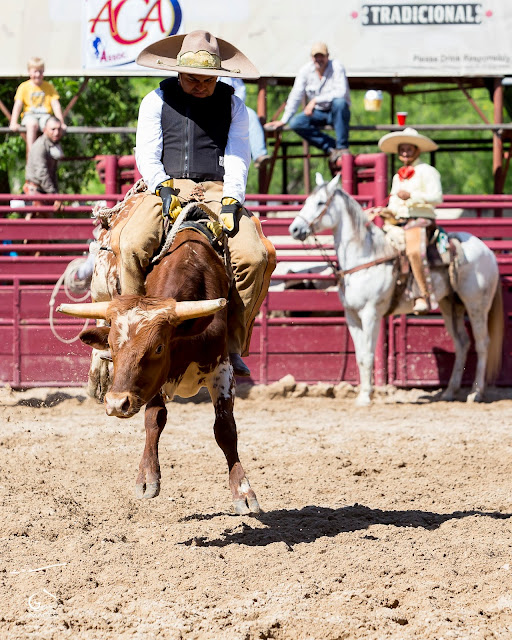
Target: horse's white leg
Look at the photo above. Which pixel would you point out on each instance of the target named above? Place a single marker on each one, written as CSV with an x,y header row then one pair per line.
x,y
453,315
364,329
478,319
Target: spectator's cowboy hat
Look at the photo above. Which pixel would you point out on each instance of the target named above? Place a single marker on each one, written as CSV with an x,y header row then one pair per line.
x,y
389,143
198,53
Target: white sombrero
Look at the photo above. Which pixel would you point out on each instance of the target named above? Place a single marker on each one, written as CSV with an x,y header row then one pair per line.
x,y
199,53
389,143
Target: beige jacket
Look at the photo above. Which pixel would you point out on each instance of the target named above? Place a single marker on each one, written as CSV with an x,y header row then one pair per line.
x,y
425,189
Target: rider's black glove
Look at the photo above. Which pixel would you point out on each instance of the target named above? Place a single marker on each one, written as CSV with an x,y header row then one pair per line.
x,y
170,203
229,215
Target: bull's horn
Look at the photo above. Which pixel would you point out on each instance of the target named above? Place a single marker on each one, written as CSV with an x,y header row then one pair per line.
x,y
197,308
86,309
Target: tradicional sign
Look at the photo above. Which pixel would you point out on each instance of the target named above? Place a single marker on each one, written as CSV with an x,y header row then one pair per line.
x,y
372,38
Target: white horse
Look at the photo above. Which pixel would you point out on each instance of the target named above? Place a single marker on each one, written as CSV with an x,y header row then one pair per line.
x,y
366,293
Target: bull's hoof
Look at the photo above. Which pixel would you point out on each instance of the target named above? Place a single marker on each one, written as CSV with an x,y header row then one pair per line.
x,y
145,491
244,506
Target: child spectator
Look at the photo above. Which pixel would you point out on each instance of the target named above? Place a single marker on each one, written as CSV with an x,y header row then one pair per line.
x,y
35,100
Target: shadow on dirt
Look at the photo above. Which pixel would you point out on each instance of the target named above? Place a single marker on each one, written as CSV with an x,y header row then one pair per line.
x,y
51,400
311,522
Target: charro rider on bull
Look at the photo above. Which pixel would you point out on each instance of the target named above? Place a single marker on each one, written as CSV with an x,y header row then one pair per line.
x,y
192,144
415,190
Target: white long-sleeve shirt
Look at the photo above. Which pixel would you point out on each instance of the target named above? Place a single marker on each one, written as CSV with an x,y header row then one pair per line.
x,y
425,189
238,85
149,146
333,84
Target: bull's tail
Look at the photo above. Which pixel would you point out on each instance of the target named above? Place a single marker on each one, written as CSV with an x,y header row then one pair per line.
x,y
496,328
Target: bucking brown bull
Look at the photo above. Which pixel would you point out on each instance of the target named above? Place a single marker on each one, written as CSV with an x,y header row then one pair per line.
x,y
172,341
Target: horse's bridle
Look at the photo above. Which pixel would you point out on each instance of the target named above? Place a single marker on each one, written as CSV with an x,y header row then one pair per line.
x,y
322,212
339,274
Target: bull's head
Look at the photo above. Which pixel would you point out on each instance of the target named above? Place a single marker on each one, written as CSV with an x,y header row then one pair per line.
x,y
139,338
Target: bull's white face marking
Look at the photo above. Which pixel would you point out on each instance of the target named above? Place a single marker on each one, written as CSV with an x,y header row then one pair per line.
x,y
124,322
134,318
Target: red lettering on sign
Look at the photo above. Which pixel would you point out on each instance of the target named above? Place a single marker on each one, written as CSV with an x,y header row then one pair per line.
x,y
112,15
158,6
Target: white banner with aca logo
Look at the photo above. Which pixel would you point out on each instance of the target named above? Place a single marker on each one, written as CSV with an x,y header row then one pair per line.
x,y
371,38
115,31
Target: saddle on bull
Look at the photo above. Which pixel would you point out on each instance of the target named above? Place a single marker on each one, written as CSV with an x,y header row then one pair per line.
x,y
171,340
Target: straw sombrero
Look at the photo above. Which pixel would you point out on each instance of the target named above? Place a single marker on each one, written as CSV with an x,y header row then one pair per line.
x,y
389,143
200,53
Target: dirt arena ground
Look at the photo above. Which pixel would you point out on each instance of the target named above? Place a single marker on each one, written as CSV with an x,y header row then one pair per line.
x,y
388,522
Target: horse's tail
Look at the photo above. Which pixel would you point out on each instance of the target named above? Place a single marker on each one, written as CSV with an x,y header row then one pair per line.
x,y
496,328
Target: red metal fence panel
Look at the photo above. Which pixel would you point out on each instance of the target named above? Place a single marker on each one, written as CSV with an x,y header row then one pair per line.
x,y
302,332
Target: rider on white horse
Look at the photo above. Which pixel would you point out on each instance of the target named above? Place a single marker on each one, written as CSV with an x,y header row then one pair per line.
x,y
368,277
415,191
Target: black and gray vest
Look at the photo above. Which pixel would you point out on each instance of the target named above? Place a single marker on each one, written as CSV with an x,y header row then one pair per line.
x,y
195,131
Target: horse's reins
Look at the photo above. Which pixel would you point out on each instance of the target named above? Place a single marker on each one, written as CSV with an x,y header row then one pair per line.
x,y
339,274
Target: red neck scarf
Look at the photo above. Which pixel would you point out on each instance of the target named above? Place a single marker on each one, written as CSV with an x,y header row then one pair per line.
x,y
404,173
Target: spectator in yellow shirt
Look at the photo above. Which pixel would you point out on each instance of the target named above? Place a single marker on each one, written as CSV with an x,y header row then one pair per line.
x,y
35,100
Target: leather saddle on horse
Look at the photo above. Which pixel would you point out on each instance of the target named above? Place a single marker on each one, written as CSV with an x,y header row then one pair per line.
x,y
444,250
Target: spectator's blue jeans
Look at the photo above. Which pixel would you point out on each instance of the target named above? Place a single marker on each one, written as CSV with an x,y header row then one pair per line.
x,y
310,127
256,135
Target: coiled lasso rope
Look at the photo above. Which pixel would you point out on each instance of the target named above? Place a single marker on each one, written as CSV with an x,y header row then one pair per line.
x,y
65,280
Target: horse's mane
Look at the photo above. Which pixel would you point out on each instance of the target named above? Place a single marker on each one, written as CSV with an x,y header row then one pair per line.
x,y
363,230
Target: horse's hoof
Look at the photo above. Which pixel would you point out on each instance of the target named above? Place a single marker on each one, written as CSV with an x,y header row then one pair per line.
x,y
447,396
475,396
363,401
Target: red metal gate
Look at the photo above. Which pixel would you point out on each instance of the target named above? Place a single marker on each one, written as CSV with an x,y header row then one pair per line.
x,y
289,336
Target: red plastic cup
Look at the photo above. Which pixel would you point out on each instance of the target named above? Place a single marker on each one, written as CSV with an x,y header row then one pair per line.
x,y
401,117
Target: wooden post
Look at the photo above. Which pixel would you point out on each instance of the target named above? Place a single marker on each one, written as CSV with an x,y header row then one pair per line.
x,y
348,173
264,340
497,143
262,100
73,100
111,178
7,114
380,369
307,167
392,121
5,111
471,101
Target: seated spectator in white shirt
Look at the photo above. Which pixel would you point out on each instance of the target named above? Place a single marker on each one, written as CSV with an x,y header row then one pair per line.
x,y
324,84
